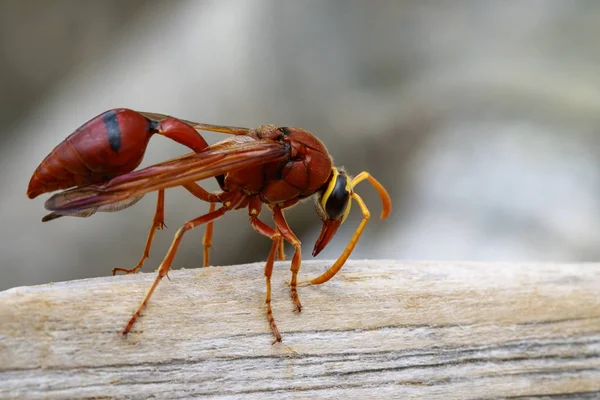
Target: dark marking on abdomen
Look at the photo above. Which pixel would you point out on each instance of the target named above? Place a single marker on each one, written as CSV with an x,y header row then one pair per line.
x,y
112,129
152,125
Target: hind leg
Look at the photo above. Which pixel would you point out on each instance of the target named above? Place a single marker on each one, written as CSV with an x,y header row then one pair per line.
x,y
157,223
211,198
168,260
254,208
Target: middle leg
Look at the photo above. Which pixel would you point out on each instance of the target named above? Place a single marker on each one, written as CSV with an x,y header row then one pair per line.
x,y
254,208
157,223
207,238
212,198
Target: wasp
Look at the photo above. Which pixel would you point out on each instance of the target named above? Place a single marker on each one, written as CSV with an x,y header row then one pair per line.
x,y
94,169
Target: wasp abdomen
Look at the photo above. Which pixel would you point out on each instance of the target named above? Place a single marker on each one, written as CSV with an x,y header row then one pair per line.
x,y
111,144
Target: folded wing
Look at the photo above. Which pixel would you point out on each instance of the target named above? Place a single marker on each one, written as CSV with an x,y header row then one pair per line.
x,y
125,190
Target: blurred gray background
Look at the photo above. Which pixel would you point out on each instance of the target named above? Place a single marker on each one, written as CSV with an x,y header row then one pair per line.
x,y
480,117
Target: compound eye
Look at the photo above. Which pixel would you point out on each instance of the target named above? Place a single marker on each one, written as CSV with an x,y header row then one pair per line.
x,y
336,198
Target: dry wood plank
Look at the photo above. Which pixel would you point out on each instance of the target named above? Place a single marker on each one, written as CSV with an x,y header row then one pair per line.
x,y
380,329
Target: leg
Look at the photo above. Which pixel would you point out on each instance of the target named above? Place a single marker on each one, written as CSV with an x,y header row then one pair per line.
x,y
212,198
168,260
383,194
158,223
281,252
287,233
265,230
268,273
207,239
201,193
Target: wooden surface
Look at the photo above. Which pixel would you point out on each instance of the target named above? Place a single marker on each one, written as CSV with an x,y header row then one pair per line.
x,y
380,329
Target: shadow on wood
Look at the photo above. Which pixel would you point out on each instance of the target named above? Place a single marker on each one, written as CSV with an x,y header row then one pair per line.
x,y
380,329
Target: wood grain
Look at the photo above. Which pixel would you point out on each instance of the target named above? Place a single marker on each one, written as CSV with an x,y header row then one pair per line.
x,y
380,329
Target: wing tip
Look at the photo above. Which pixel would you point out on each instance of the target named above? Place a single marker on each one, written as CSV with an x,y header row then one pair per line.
x,y
51,216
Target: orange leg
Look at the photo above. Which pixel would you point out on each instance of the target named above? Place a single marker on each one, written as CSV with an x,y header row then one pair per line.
x,y
207,239
212,198
158,223
265,230
386,202
201,193
281,252
268,273
168,260
287,233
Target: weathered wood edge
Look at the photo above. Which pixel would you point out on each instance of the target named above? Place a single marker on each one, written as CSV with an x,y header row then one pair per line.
x,y
380,329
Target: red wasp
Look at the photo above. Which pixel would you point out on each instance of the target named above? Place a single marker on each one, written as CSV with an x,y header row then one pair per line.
x,y
276,166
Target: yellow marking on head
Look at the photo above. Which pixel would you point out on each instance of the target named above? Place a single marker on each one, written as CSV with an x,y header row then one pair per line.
x,y
330,187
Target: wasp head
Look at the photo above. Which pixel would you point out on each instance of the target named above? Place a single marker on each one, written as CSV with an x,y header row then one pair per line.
x,y
333,203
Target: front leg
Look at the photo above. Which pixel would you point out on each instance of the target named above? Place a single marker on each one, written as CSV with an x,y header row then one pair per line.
x,y
157,223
